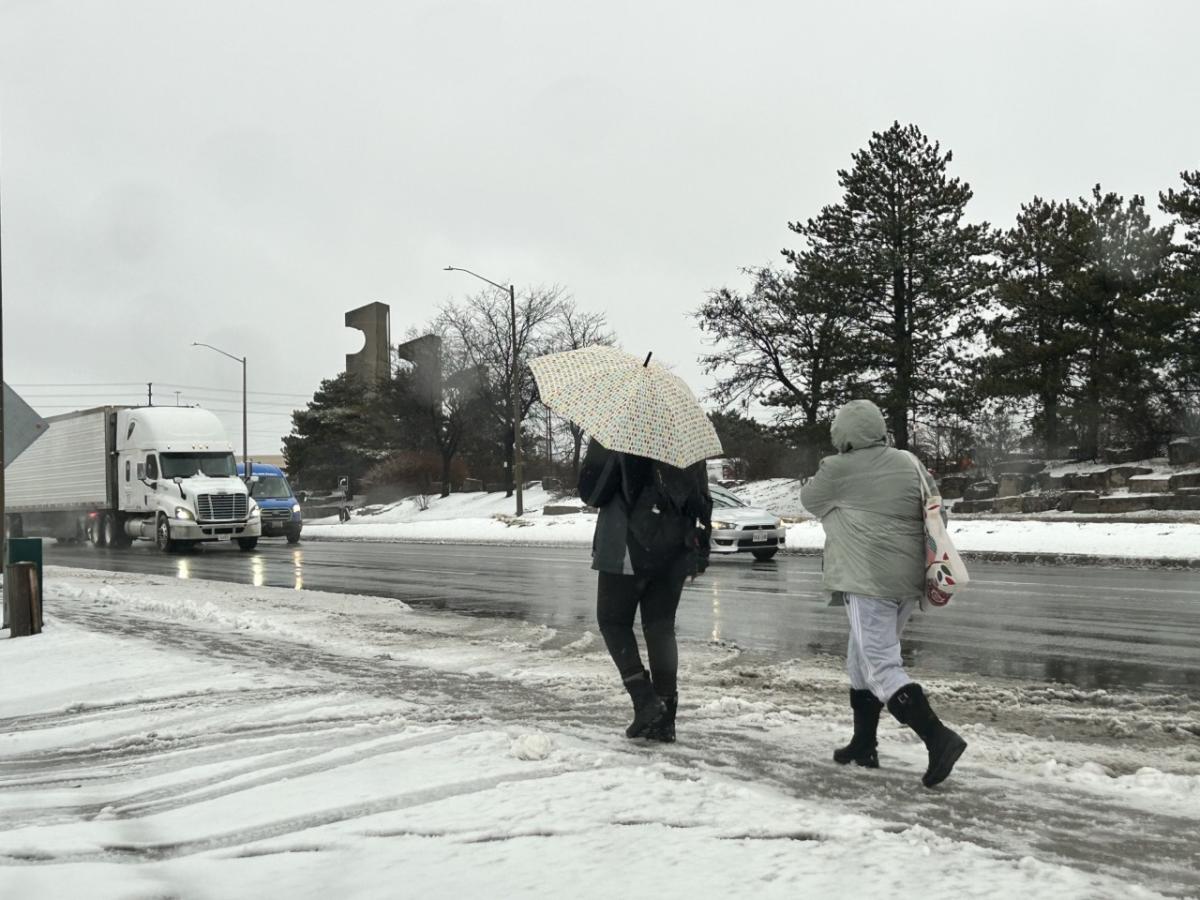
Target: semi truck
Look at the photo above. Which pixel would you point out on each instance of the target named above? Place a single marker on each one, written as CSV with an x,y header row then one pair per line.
x,y
112,475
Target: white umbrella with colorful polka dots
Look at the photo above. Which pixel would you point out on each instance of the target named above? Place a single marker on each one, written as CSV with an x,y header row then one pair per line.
x,y
627,404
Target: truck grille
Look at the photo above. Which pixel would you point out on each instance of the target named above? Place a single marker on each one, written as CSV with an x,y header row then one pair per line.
x,y
221,507
277,515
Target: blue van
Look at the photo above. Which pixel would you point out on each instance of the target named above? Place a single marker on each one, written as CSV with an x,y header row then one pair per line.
x,y
280,509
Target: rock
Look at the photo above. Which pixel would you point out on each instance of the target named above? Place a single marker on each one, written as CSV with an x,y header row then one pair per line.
x,y
1008,504
952,486
1184,451
1087,505
1184,480
1014,484
1168,501
1048,482
1085,481
1037,503
1118,454
1123,504
1020,467
1188,491
562,510
981,490
1068,499
1119,476
1149,484
968,507
1191,501
472,486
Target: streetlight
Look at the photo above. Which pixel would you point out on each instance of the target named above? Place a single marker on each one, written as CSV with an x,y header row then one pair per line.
x,y
245,430
512,383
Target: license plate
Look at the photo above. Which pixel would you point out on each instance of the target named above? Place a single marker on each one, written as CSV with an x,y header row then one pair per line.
x,y
760,537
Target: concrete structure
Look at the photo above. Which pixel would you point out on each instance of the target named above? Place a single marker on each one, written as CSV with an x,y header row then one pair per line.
x,y
425,353
372,363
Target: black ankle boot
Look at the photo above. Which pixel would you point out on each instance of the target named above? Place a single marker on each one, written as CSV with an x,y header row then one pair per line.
x,y
910,707
862,747
664,729
647,708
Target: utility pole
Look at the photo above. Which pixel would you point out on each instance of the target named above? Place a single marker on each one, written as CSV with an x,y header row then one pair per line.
x,y
177,397
149,393
515,392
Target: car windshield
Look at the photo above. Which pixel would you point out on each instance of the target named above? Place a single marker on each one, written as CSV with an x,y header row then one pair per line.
x,y
270,487
724,499
186,465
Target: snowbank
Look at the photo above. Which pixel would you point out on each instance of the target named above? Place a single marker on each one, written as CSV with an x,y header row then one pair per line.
x,y
210,741
459,521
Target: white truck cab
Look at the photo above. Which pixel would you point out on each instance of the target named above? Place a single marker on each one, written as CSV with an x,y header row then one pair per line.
x,y
177,481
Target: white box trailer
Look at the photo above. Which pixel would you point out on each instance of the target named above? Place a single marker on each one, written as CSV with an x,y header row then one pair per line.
x,y
114,474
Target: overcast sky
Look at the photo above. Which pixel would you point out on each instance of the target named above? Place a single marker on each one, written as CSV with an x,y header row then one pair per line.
x,y
242,173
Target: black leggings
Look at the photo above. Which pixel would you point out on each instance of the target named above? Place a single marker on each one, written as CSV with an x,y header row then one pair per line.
x,y
618,598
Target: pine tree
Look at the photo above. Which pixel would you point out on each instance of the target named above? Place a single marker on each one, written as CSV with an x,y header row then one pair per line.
x,y
1184,206
897,246
1030,334
345,429
1124,323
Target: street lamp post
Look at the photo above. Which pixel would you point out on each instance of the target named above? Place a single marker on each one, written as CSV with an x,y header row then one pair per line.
x,y
245,429
513,389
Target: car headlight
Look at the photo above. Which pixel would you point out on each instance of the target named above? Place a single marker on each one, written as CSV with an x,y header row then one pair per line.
x,y
719,525
182,512
295,509
779,523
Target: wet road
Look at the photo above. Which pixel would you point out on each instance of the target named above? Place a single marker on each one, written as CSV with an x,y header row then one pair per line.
x,y
1088,627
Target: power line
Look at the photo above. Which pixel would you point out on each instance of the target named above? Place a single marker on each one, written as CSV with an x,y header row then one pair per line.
x,y
141,385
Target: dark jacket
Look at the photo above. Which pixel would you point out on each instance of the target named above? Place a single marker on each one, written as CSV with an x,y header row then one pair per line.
x,y
612,482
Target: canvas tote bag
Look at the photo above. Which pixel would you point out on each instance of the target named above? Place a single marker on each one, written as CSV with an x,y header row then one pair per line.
x,y
945,572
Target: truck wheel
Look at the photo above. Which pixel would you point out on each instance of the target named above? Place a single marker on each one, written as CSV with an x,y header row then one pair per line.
x,y
98,530
293,537
764,555
162,535
114,531
247,543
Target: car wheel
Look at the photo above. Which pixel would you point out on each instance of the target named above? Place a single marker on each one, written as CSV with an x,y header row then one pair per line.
x,y
764,555
162,535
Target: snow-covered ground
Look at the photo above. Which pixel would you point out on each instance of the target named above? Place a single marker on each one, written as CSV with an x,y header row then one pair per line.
x,y
487,518
190,739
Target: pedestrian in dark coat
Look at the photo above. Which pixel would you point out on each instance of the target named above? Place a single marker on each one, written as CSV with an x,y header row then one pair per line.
x,y
652,533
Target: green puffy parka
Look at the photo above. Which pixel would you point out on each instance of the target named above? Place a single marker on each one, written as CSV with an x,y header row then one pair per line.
x,y
869,502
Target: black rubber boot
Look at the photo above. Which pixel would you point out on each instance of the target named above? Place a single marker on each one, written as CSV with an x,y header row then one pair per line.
x,y
910,707
862,748
664,729
647,708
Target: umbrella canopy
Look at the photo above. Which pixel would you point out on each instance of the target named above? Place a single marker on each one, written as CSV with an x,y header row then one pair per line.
x,y
627,405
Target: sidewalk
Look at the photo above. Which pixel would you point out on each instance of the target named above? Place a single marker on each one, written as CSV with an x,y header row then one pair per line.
x,y
206,740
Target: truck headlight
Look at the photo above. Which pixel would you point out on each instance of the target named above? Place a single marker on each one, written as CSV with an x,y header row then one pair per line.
x,y
255,511
295,509
182,512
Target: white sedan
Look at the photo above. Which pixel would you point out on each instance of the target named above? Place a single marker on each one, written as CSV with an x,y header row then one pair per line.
x,y
739,528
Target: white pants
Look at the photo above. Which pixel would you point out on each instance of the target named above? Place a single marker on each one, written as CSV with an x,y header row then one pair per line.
x,y
873,656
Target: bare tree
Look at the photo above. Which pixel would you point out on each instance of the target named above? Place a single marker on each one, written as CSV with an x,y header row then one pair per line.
x,y
482,327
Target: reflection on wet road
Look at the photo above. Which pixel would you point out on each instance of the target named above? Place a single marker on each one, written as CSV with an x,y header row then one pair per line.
x,y
1094,628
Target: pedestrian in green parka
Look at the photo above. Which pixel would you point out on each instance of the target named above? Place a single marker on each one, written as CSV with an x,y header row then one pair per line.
x,y
868,498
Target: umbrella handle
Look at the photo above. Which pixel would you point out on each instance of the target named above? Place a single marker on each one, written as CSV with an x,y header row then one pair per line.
x,y
646,364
